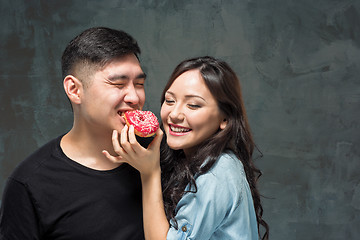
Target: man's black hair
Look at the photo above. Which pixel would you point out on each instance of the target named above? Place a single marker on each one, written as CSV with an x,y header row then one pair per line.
x,y
98,46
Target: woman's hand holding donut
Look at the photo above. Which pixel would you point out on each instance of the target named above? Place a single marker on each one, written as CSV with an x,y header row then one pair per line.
x,y
145,160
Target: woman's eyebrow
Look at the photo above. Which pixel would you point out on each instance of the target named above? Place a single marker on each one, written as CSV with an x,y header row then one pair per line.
x,y
187,96
194,96
169,92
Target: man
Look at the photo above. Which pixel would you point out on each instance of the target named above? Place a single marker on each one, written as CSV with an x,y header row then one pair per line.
x,y
68,189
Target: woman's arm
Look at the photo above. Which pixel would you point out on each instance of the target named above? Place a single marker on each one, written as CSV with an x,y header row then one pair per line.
x,y
147,162
156,225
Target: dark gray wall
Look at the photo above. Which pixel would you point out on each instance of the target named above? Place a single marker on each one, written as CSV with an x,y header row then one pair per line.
x,y
298,61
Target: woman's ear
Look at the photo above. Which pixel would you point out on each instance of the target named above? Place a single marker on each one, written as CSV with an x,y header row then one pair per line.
x,y
223,124
73,88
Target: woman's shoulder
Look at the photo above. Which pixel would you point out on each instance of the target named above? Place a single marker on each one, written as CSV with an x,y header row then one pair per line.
x,y
227,164
224,183
227,172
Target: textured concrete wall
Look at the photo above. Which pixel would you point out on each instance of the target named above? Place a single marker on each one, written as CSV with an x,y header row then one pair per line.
x,y
298,61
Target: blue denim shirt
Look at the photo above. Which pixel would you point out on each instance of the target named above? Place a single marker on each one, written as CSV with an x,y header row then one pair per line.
x,y
222,208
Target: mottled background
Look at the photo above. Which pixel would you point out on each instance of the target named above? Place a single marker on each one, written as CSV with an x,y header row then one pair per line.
x,y
298,61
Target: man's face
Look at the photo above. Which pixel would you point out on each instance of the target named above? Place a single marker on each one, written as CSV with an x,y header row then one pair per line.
x,y
116,88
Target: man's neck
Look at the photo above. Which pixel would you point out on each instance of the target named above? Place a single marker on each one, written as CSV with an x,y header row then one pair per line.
x,y
86,148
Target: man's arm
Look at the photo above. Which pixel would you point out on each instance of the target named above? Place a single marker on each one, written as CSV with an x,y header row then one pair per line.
x,y
18,218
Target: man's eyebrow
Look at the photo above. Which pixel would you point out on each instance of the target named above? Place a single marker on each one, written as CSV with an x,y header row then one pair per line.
x,y
141,76
125,77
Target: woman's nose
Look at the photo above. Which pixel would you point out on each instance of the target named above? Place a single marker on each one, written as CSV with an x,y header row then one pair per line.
x,y
177,114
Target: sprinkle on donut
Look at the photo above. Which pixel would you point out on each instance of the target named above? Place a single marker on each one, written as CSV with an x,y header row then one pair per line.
x,y
145,122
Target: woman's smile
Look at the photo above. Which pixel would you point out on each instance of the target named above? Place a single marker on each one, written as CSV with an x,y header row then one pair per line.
x,y
177,130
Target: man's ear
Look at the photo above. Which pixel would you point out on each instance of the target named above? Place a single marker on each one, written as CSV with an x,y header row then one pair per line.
x,y
73,88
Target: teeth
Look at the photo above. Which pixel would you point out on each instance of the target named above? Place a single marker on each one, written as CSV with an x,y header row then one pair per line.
x,y
177,129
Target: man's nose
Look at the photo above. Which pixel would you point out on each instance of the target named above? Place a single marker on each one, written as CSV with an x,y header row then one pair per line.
x,y
131,96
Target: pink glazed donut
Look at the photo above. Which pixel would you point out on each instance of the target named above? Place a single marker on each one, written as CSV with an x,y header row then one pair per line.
x,y
145,122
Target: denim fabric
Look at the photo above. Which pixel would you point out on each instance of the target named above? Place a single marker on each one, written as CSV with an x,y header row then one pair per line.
x,y
222,208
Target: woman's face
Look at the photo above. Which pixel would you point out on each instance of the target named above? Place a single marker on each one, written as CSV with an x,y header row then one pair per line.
x,y
190,113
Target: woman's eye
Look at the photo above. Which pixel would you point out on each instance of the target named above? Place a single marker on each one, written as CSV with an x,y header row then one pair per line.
x,y
194,106
168,101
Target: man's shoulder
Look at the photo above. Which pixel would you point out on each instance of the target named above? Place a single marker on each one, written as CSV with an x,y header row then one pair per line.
x,y
34,162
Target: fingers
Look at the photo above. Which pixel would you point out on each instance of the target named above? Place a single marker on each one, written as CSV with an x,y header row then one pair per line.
x,y
128,141
117,149
116,145
155,144
124,136
132,140
117,159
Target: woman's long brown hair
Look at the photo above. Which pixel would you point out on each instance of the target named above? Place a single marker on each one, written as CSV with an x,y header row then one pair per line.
x,y
179,171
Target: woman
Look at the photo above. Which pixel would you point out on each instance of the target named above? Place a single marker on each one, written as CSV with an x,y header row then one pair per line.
x,y
206,186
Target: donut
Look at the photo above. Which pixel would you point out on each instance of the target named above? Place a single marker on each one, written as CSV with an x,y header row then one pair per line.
x,y
145,122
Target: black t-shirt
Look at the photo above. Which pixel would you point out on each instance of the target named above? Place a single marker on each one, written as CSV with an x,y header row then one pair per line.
x,y
49,196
